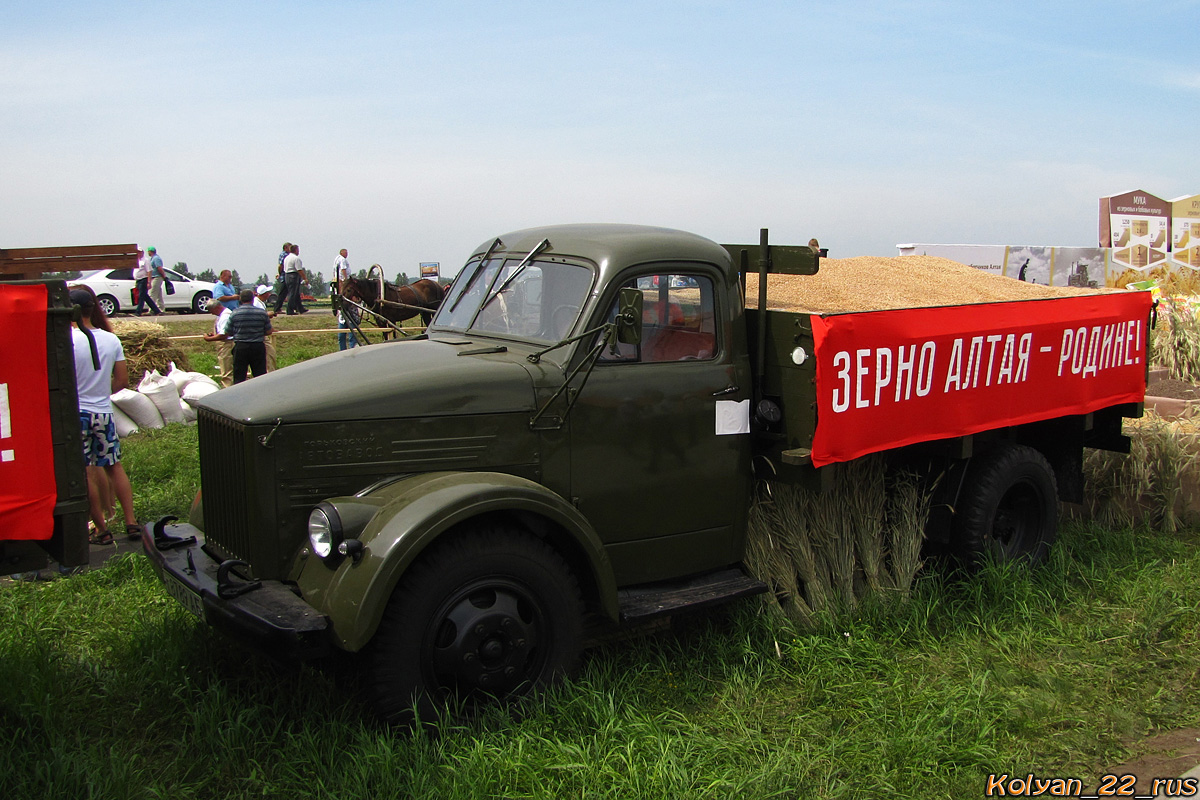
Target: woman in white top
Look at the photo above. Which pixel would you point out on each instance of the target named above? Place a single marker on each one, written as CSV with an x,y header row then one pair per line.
x,y
99,372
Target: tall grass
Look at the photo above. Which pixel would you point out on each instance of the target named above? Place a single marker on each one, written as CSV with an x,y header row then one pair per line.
x,y
1175,342
825,553
1154,484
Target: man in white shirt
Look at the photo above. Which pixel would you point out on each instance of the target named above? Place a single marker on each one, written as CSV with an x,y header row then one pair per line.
x,y
141,274
345,314
293,278
261,295
341,267
224,346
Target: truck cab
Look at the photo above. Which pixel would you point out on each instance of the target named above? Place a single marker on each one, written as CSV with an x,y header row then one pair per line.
x,y
343,493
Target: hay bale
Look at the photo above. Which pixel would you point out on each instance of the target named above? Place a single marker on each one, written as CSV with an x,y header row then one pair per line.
x,y
147,348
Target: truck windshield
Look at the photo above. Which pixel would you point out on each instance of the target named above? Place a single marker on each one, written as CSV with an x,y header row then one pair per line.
x,y
541,303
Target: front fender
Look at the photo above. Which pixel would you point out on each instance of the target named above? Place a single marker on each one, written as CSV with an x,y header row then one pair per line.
x,y
403,518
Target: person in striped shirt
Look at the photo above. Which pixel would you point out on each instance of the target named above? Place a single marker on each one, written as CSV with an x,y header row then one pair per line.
x,y
248,328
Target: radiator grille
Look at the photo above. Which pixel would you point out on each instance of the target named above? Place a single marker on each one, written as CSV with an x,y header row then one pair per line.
x,y
227,487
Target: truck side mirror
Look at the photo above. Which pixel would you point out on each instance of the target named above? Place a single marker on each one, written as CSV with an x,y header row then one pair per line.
x,y
629,316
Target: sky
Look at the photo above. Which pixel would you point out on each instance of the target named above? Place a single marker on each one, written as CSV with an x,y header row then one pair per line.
x,y
410,132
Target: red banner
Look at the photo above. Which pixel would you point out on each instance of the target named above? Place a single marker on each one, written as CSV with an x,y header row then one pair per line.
x,y
27,488
891,378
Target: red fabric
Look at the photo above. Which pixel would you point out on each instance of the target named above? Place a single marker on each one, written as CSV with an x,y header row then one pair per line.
x,y
27,488
891,378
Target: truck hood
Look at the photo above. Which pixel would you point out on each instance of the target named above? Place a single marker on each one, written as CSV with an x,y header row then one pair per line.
x,y
396,379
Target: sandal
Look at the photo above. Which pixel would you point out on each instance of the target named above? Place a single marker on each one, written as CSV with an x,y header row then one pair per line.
x,y
100,537
133,531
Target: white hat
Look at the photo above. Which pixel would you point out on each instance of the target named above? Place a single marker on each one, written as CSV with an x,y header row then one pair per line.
x,y
262,289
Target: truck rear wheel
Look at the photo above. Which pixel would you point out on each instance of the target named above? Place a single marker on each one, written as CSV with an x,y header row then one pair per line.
x,y
1008,509
480,619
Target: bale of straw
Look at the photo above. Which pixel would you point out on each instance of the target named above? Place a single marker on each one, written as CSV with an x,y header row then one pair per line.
x,y
147,348
824,553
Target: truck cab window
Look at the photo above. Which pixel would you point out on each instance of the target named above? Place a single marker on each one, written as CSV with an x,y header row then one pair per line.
x,y
462,303
678,321
541,302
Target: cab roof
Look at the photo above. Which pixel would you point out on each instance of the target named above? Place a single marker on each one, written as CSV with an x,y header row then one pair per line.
x,y
611,246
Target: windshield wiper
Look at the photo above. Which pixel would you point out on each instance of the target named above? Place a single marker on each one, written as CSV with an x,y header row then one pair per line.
x,y
495,245
544,244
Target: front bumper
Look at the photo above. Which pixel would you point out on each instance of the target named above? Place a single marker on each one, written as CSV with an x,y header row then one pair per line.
x,y
269,617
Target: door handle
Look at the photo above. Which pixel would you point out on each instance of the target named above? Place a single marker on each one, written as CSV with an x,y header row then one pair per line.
x,y
725,391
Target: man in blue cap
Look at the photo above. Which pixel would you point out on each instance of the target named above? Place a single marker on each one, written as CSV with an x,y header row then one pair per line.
x,y
158,276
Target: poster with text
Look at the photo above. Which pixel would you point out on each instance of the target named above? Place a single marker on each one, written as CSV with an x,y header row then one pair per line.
x,y
1135,225
1185,230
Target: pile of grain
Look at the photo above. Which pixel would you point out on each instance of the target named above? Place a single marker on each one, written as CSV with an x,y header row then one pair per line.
x,y
147,348
871,283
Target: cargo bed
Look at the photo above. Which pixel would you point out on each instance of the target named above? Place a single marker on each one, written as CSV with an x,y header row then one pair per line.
x,y
982,353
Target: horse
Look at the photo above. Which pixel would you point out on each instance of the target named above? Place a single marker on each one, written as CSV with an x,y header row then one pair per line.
x,y
398,303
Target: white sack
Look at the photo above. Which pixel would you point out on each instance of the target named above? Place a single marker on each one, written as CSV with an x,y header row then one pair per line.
x,y
139,408
124,425
163,394
196,390
189,413
200,377
179,377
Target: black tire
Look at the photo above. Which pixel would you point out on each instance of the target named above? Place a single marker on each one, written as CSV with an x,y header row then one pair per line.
x,y
1008,508
484,618
200,301
108,304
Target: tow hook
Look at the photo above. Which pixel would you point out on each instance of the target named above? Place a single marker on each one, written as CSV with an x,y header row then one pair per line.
x,y
227,588
164,541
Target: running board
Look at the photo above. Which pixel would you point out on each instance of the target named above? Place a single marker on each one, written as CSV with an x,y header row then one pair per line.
x,y
640,603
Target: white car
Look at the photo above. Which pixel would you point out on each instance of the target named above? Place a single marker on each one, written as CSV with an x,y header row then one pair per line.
x,y
114,291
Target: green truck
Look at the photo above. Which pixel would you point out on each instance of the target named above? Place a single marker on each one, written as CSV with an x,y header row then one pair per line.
x,y
572,446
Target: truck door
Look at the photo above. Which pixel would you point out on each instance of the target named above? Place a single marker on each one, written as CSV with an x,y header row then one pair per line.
x,y
660,460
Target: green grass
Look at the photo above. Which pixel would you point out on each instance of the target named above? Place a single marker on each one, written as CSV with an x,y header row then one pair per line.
x,y
111,690
164,469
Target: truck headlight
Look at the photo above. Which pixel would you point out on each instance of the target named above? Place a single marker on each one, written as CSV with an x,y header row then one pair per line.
x,y
324,530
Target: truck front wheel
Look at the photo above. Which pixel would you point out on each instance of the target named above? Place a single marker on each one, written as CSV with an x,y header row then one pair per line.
x,y
483,618
1008,509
